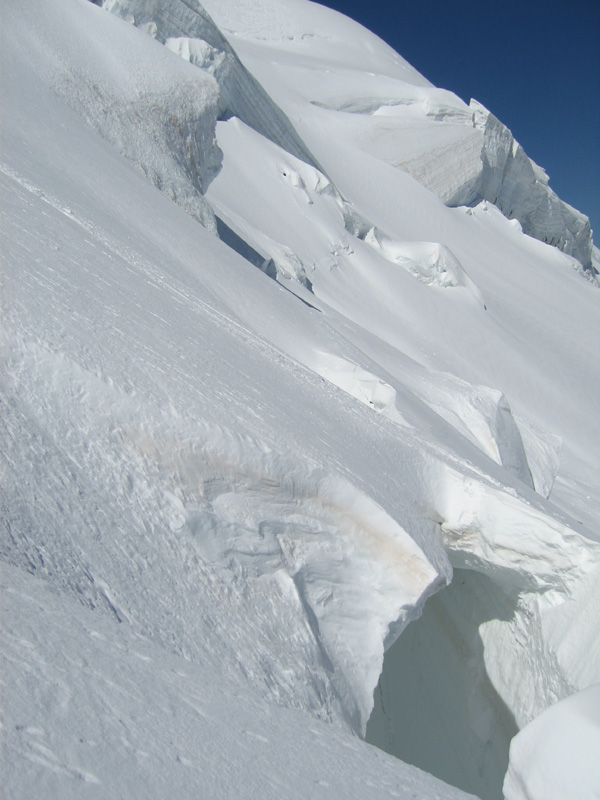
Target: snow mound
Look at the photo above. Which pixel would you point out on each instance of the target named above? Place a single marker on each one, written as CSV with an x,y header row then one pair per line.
x,y
360,383
198,52
438,104
219,518
556,755
430,262
490,530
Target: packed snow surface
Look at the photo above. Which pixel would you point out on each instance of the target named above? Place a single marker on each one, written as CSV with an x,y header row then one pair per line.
x,y
264,394
100,711
556,755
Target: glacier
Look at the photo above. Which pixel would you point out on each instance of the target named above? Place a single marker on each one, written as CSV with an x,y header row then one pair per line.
x,y
300,425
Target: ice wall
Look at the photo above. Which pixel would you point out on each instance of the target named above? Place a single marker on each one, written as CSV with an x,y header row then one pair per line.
x,y
187,29
435,706
507,177
152,108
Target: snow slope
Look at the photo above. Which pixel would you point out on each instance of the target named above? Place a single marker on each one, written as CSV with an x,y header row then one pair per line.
x,y
265,480
111,714
463,154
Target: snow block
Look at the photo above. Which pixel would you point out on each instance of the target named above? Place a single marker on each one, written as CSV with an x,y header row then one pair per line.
x,y
556,755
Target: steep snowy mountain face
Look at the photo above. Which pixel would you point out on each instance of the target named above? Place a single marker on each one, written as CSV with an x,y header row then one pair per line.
x,y
300,422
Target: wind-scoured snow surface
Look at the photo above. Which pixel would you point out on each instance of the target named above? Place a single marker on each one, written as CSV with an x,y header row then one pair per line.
x,y
263,396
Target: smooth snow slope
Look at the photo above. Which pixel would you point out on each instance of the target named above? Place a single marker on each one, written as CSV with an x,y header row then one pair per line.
x,y
265,480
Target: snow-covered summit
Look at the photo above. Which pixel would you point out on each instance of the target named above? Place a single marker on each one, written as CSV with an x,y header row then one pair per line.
x,y
268,399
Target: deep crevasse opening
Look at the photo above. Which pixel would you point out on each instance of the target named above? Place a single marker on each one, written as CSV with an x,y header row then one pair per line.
x,y
435,706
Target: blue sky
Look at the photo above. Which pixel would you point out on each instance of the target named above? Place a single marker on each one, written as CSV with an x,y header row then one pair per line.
x,y
535,65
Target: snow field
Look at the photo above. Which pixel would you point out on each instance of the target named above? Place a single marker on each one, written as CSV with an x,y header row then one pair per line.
x,y
188,476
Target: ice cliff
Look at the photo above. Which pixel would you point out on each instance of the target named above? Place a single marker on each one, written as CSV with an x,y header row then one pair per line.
x,y
323,473
519,188
187,29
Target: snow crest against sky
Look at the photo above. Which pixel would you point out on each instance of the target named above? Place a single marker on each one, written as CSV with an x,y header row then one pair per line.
x,y
535,65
